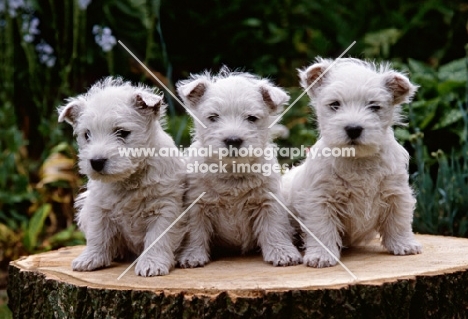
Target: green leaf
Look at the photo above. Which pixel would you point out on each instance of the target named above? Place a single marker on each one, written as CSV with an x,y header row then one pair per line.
x,y
62,147
5,312
402,134
379,43
155,6
66,237
252,22
428,110
35,226
463,229
449,118
455,71
419,67
447,87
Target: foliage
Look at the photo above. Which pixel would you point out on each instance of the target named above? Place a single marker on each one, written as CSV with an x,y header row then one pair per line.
x,y
435,110
442,200
49,51
437,140
274,38
442,205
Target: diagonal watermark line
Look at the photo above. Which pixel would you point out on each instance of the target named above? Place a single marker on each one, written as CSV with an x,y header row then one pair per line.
x,y
315,237
160,236
313,83
162,84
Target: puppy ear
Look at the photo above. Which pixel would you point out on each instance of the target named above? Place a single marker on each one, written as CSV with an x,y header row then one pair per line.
x,y
192,91
273,97
313,73
71,111
148,101
400,87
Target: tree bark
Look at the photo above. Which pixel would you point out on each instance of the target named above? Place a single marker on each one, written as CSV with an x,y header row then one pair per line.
x,y
433,284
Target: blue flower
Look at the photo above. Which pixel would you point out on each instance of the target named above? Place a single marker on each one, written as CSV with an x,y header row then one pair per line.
x,y
29,28
45,52
83,4
13,6
104,38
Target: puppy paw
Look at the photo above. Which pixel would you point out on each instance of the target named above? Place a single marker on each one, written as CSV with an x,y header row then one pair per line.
x,y
319,260
193,259
147,267
411,247
283,256
88,262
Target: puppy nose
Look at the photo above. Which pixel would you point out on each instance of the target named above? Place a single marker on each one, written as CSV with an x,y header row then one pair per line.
x,y
233,141
98,163
353,131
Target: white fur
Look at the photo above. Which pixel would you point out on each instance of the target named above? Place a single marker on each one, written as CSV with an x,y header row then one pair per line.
x,y
343,200
236,211
132,200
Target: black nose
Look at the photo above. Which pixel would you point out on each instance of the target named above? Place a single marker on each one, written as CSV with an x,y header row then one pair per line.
x,y
233,141
353,131
98,163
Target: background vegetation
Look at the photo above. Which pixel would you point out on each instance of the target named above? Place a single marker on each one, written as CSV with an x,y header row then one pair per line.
x,y
50,50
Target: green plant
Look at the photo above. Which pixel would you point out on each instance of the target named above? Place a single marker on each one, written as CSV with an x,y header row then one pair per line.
x,y
50,51
436,106
442,201
441,181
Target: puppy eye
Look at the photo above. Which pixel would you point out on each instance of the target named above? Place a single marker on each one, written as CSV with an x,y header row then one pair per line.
x,y
122,133
252,118
213,117
334,105
87,136
375,108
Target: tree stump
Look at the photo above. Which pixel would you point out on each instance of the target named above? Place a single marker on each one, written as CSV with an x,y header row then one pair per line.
x,y
433,284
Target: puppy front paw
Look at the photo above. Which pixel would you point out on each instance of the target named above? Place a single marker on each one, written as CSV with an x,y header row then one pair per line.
x,y
193,259
88,262
320,259
412,247
282,256
147,267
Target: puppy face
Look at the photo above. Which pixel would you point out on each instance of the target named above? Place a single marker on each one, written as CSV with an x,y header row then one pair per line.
x,y
112,115
236,109
356,102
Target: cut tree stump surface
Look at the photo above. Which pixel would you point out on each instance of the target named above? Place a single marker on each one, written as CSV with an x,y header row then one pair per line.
x,y
433,283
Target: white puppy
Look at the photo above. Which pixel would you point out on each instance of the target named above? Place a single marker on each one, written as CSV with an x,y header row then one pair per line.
x,y
130,199
237,211
345,200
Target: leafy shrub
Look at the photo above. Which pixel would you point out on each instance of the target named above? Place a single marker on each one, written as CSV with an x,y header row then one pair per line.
x,y
275,37
441,180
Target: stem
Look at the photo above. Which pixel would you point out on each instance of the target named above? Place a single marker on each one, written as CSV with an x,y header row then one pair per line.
x,y
167,63
466,91
65,88
110,62
54,25
8,58
76,31
82,44
150,34
31,58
